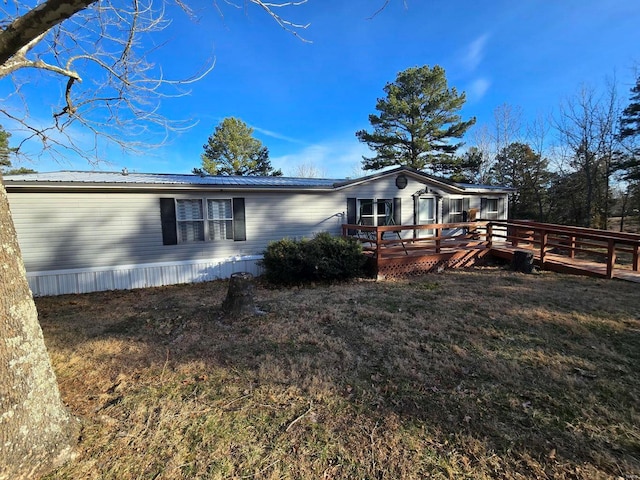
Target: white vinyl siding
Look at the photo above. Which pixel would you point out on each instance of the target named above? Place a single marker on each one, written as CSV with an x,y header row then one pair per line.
x,y
93,229
96,229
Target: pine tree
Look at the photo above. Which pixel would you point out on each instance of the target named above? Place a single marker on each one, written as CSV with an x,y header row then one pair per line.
x,y
232,150
630,135
5,156
418,119
518,166
463,168
5,150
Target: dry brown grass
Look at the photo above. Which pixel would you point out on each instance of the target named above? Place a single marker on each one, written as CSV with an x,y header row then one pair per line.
x,y
467,374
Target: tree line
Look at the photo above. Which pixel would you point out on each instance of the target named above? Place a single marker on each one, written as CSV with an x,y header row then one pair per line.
x,y
578,167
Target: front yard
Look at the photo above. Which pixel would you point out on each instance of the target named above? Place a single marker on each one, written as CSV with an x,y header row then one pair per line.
x,y
466,374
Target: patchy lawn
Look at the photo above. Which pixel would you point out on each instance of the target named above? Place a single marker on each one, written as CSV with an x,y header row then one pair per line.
x,y
467,374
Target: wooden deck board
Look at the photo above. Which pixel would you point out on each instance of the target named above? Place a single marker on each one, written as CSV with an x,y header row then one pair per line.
x,y
562,264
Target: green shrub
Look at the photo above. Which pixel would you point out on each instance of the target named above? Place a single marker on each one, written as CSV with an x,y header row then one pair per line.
x,y
324,258
283,260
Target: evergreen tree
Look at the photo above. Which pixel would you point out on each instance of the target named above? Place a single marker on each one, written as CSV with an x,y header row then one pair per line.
x,y
518,166
232,150
418,119
463,168
630,121
630,136
5,150
5,155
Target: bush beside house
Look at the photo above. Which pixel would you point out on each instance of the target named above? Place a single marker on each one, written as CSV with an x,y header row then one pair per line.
x,y
322,258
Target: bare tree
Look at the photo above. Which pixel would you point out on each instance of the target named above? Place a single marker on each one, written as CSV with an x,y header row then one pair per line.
x,y
507,125
308,170
101,51
96,48
484,142
587,127
490,139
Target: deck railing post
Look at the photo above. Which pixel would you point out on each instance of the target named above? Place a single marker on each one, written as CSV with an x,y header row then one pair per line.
x,y
489,235
635,257
437,232
544,237
611,257
513,232
378,244
572,247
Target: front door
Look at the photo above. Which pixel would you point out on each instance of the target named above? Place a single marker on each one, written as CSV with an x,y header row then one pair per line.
x,y
426,214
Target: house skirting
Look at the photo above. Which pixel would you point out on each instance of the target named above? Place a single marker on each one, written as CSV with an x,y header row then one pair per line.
x,y
126,277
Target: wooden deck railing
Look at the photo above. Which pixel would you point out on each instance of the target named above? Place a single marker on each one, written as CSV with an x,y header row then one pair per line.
x,y
600,246
398,240
549,242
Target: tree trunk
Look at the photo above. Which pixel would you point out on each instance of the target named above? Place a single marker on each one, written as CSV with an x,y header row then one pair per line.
x,y
239,302
36,431
35,22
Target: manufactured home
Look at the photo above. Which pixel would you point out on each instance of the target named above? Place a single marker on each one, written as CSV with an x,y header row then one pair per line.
x,y
91,231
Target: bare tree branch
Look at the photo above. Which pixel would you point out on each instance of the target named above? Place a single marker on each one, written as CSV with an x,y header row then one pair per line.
x,y
384,5
36,22
109,45
269,7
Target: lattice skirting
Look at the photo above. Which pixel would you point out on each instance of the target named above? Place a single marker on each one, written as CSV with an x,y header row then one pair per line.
x,y
415,265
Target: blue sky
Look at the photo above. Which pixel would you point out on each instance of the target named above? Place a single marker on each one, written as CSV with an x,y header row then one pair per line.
x,y
307,100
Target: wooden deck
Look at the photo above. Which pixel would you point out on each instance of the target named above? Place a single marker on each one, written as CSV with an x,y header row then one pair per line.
x,y
396,251
564,264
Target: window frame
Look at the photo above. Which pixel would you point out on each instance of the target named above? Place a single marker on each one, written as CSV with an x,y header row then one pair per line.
x,y
181,221
458,213
227,221
492,214
375,215
205,221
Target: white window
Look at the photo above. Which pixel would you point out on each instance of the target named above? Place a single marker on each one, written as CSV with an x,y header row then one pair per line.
x,y
376,212
492,211
456,207
190,219
220,217
192,227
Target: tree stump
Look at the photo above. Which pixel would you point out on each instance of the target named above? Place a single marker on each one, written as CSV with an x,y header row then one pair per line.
x,y
239,301
522,261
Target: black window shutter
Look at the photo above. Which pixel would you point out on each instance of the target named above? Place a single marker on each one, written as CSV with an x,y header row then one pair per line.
x,y
445,209
351,211
239,222
465,209
483,208
168,221
397,211
351,214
